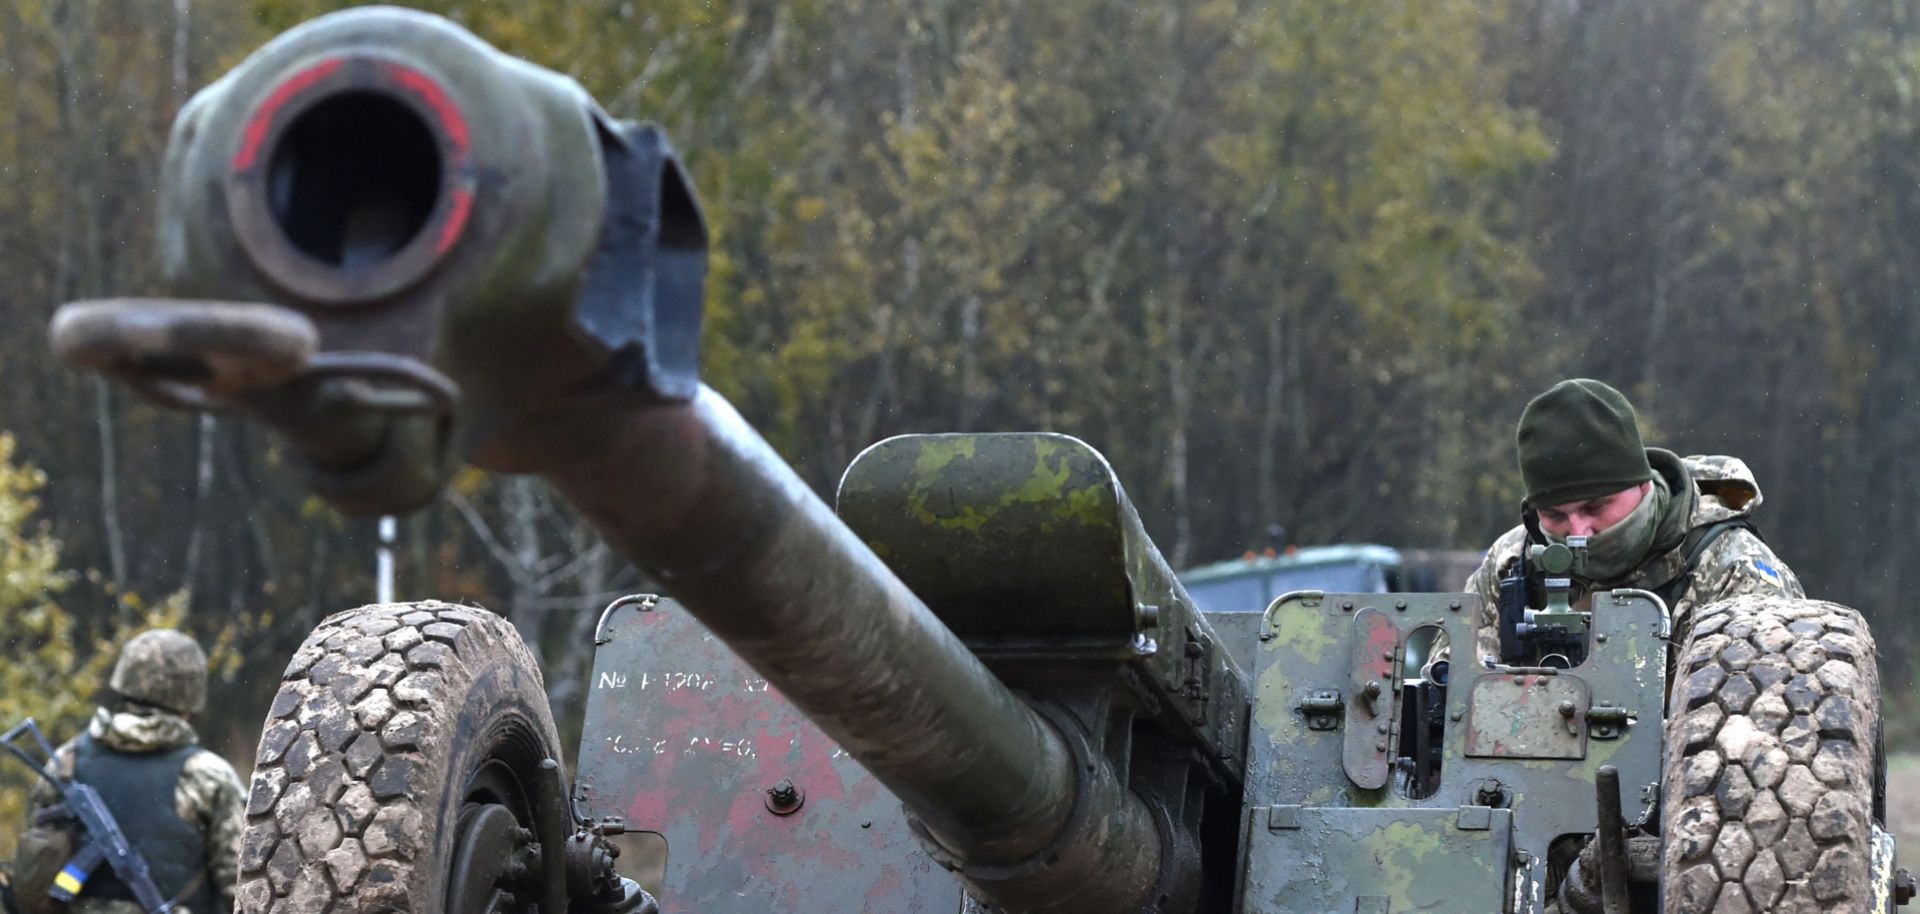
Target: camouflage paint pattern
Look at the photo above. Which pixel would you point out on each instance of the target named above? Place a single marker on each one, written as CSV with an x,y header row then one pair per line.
x,y
1027,548
1315,860
961,519
209,794
1308,645
163,668
683,739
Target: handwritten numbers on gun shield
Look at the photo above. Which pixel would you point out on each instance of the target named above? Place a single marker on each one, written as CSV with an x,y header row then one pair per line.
x,y
672,681
638,746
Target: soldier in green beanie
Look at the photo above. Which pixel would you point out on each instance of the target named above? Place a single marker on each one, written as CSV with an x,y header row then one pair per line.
x,y
1677,526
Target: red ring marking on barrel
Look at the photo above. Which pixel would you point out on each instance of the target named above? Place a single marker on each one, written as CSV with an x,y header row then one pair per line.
x,y
454,123
456,220
262,122
443,107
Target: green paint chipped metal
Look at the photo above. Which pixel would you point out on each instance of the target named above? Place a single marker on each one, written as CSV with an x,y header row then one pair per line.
x,y
1370,799
1308,649
938,453
1278,719
1400,850
968,518
1395,859
1303,631
928,465
961,519
1025,546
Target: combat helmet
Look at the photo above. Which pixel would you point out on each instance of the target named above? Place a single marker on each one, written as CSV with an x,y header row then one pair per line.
x,y
163,668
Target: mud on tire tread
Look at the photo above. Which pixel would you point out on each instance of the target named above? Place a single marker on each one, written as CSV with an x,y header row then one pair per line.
x,y
348,806
1770,760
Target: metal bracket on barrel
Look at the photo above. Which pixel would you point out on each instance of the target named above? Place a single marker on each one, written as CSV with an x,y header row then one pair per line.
x,y
201,356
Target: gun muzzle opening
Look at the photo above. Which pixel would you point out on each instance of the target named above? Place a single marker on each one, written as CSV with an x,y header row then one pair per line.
x,y
353,180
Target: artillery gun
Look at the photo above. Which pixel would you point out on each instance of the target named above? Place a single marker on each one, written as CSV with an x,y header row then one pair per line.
x,y
976,686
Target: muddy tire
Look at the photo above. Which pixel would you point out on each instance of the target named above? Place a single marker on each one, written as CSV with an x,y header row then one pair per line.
x,y
392,722
1771,757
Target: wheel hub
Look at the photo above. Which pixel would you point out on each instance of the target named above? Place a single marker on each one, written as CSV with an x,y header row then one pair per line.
x,y
495,861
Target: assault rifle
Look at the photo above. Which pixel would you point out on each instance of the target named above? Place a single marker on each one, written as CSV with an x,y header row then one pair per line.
x,y
100,838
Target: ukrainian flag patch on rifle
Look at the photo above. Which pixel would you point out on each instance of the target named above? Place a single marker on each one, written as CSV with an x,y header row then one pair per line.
x,y
69,882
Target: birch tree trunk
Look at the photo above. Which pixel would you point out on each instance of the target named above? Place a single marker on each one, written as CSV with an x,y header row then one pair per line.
x,y
78,271
521,501
205,441
1272,409
1180,403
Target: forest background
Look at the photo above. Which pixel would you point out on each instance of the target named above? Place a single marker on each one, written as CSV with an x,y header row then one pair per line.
x,y
1294,263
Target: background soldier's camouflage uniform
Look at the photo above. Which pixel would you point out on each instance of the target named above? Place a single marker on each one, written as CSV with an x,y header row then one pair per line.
x,y
162,677
209,793
1736,563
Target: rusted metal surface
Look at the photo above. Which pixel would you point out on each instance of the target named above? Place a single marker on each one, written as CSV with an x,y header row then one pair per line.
x,y
683,739
1307,647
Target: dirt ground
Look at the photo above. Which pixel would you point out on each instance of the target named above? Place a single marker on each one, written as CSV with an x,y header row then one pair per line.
x,y
1903,805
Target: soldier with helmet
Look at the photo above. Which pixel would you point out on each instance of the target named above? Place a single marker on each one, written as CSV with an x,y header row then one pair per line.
x,y
180,805
1676,526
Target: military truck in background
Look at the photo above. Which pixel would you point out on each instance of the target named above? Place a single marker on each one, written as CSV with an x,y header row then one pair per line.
x,y
1253,581
971,684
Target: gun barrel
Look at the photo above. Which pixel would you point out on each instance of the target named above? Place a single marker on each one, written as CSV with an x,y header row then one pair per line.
x,y
416,194
701,501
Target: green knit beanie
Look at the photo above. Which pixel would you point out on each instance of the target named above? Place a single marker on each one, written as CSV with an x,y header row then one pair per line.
x,y
1579,440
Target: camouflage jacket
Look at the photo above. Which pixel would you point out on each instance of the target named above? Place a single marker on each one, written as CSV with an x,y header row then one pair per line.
x,y
1737,562
209,794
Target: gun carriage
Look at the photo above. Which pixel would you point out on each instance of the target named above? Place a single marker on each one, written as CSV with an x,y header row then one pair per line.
x,y
976,685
